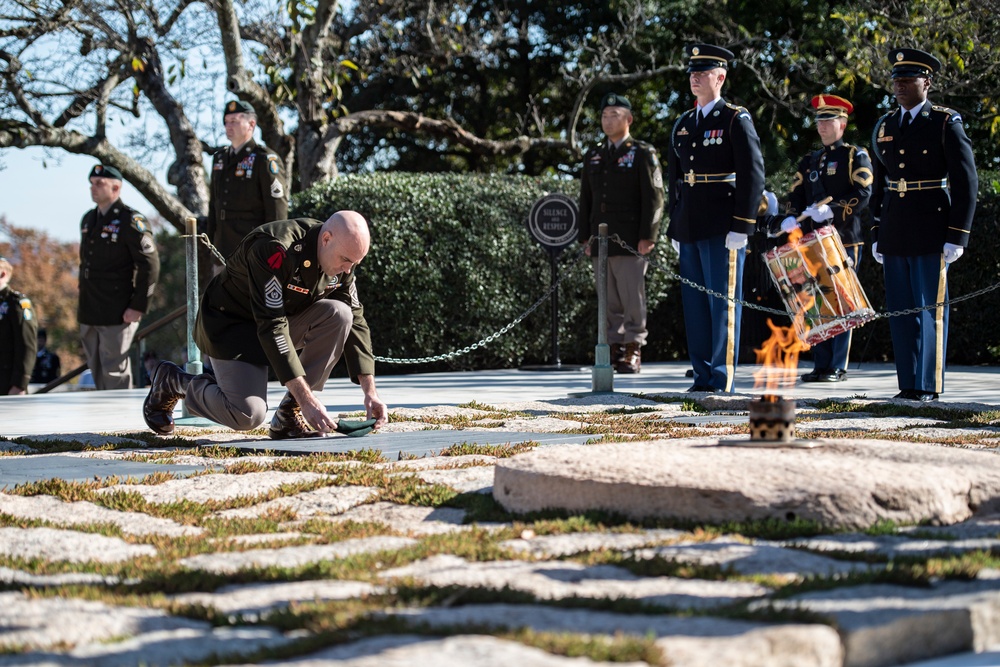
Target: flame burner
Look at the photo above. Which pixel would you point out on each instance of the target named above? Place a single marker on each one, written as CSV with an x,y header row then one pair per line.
x,y
772,419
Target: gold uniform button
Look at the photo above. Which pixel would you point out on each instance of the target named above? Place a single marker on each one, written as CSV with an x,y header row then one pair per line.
x,y
925,151
902,150
902,165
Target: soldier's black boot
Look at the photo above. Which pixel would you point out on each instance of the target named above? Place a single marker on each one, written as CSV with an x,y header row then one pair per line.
x,y
169,384
288,421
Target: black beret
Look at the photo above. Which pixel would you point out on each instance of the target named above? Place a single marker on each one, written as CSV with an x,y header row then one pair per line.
x,y
615,100
912,62
237,106
105,171
703,57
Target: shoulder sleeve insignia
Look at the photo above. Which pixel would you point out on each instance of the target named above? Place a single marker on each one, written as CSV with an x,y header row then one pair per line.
x,y
25,304
273,165
139,223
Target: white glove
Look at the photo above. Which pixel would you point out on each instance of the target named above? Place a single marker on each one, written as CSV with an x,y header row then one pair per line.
x,y
735,240
876,254
952,252
789,224
820,213
676,245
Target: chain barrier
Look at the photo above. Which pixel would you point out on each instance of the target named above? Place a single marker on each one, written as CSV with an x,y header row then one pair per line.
x,y
493,336
203,237
676,276
690,283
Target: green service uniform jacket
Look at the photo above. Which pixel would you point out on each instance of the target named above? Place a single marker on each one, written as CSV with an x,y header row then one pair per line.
x,y
841,171
119,265
272,274
622,187
247,190
18,340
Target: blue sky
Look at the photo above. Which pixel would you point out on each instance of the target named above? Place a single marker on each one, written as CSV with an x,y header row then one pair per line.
x,y
48,190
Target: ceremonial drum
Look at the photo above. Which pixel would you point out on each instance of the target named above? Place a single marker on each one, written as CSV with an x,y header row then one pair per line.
x,y
818,286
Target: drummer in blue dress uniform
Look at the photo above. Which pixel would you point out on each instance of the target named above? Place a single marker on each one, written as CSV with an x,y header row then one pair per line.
x,y
923,202
844,173
716,179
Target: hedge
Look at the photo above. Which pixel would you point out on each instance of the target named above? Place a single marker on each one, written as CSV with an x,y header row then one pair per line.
x,y
452,261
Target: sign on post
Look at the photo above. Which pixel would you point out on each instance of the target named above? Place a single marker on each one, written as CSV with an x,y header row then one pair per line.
x,y
554,222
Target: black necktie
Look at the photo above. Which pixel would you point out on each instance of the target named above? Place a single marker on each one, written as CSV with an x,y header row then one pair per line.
x,y
701,117
904,122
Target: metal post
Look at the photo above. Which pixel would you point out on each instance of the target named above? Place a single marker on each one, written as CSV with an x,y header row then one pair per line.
x,y
555,310
602,375
193,365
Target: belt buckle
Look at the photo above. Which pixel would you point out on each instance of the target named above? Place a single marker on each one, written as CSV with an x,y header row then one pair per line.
x,y
902,186
689,177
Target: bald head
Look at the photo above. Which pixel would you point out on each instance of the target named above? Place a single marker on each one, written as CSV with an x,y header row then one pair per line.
x,y
343,242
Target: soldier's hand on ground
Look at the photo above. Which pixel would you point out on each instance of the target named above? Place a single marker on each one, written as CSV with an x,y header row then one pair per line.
x,y
131,315
736,240
789,224
952,252
377,410
876,254
316,416
820,213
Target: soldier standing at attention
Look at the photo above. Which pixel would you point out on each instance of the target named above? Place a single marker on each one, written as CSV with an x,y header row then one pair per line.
x,y
18,329
287,299
923,203
843,172
622,185
716,180
248,183
119,267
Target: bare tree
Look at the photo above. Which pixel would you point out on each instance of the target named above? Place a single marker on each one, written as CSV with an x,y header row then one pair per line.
x,y
71,68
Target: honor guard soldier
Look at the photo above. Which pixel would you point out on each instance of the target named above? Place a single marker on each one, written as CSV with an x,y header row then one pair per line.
x,y
716,180
622,185
287,299
923,202
248,182
844,173
119,267
18,331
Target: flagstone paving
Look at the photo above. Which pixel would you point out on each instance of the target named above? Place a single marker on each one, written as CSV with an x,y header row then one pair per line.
x,y
396,549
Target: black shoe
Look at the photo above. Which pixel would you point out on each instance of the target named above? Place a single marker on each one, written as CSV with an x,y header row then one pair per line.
x,y
288,421
169,385
909,395
814,375
835,375
926,396
689,373
707,388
